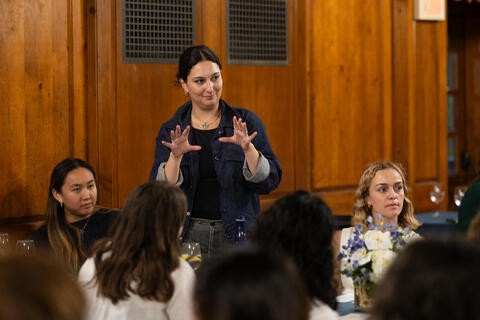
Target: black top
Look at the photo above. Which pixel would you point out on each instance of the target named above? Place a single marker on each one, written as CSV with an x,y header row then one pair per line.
x,y
206,203
95,227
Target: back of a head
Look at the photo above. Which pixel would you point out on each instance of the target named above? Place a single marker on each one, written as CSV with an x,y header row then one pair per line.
x,y
39,288
143,246
155,210
431,279
250,283
299,225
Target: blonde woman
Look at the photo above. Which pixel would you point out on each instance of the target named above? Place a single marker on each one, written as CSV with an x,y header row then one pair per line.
x,y
382,194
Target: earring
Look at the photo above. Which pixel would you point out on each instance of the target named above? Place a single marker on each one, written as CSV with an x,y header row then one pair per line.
x,y
61,204
186,93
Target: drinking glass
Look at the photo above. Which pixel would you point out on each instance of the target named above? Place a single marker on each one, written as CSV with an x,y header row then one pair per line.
x,y
25,246
3,243
459,194
192,254
436,196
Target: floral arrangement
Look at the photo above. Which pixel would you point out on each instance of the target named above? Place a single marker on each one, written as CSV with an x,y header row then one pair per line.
x,y
367,255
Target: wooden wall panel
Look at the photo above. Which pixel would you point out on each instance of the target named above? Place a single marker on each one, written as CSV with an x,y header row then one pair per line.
x,y
365,83
42,85
351,90
430,124
472,87
12,112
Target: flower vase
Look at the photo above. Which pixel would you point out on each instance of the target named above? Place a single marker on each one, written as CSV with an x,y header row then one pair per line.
x,y
362,301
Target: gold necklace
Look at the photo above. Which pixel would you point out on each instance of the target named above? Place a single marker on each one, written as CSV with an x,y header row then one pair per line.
x,y
206,124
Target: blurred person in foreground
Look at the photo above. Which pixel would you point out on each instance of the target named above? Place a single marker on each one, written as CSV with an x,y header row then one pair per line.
x,y
38,287
137,272
469,207
431,280
474,228
250,283
299,225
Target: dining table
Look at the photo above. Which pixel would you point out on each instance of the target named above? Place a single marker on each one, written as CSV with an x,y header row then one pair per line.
x,y
346,307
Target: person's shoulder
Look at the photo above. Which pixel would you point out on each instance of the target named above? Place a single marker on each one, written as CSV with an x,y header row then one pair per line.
x,y
87,271
105,214
476,185
40,236
321,310
183,271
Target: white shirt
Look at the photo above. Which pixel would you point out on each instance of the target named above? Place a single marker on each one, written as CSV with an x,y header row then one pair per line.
x,y
321,311
179,307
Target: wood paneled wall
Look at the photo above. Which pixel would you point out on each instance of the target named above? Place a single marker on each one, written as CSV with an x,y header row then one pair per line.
x,y
43,99
365,82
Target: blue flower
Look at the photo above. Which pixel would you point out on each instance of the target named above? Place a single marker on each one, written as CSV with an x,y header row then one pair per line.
x,y
371,226
407,229
355,264
378,215
377,228
370,219
359,227
357,280
349,273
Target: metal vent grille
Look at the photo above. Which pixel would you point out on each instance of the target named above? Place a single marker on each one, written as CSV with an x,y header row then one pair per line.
x,y
257,32
157,31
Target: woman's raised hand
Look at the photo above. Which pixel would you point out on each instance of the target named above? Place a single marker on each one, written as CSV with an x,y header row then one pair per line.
x,y
180,145
240,134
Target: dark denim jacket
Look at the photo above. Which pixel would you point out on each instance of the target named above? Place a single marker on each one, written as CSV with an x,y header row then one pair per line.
x,y
237,195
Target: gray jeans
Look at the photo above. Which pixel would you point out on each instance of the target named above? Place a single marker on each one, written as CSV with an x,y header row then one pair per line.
x,y
210,234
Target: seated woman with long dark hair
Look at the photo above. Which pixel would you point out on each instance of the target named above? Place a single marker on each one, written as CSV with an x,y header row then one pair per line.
x,y
299,225
137,273
74,221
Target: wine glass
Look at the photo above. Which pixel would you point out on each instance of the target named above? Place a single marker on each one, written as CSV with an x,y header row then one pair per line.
x,y
459,194
192,254
25,246
436,196
3,243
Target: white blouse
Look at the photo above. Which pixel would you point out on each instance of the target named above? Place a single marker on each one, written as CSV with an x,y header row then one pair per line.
x,y
179,307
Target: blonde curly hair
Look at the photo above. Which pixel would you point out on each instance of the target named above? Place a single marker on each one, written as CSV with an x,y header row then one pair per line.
x,y
361,210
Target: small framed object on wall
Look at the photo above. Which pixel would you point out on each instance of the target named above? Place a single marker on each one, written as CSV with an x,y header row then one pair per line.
x,y
430,10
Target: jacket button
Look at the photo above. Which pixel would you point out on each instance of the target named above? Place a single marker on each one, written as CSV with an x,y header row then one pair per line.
x,y
216,158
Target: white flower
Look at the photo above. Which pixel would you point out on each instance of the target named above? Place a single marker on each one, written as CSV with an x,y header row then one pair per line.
x,y
378,240
381,260
361,256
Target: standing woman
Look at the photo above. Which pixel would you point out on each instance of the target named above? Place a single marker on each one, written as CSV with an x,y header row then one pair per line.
x,y
218,154
74,221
